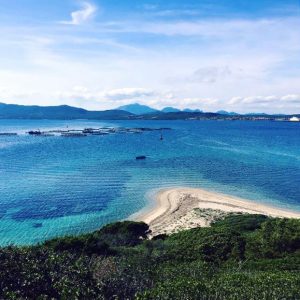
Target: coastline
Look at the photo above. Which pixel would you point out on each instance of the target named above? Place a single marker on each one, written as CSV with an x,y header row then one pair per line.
x,y
183,208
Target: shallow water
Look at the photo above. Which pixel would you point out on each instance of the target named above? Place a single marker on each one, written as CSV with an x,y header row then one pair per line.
x,y
53,186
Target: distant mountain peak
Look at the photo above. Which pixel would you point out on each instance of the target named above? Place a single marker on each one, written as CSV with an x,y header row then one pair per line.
x,y
224,112
169,109
192,110
138,109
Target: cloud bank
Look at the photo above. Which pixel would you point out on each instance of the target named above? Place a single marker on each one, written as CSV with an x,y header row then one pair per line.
x,y
210,63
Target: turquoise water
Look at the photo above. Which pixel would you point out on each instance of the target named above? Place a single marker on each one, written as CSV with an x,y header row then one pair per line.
x,y
53,186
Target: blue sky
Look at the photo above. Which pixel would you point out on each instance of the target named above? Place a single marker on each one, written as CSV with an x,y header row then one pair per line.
x,y
227,54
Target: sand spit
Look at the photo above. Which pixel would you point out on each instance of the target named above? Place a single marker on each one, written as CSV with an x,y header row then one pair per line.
x,y
184,208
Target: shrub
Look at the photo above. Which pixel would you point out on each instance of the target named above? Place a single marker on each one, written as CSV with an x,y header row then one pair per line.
x,y
241,223
123,233
276,238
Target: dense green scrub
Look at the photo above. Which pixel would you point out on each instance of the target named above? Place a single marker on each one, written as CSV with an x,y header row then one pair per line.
x,y
240,257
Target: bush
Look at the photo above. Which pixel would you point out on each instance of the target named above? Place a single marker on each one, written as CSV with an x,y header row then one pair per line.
x,y
241,223
208,244
87,244
124,233
276,238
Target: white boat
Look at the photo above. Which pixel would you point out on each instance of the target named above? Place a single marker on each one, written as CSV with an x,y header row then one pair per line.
x,y
294,119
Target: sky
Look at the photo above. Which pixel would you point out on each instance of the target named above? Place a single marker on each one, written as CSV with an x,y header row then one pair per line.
x,y
234,55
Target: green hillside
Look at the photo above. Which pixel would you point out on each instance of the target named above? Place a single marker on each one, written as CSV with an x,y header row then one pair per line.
x,y
62,112
240,257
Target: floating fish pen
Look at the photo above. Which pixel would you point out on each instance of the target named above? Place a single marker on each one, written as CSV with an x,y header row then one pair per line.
x,y
7,133
99,133
73,134
89,131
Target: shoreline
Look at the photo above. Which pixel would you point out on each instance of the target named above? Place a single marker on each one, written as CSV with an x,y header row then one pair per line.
x,y
183,208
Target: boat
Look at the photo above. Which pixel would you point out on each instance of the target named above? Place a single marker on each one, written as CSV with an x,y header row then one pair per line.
x,y
294,119
34,132
161,135
141,157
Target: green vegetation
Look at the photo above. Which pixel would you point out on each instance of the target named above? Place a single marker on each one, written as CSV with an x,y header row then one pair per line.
x,y
239,257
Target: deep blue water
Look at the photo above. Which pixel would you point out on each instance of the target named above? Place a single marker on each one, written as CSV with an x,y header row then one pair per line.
x,y
52,186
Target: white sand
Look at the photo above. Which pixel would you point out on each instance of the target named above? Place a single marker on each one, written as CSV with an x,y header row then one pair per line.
x,y
183,208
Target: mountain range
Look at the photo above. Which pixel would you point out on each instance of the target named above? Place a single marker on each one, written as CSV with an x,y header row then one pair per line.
x,y
127,112
139,109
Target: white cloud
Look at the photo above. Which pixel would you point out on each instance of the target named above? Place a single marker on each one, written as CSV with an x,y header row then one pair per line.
x,y
253,100
260,101
78,17
127,93
213,28
210,74
175,12
291,98
13,96
79,92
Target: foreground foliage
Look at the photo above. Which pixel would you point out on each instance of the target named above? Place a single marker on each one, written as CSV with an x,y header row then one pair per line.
x,y
240,257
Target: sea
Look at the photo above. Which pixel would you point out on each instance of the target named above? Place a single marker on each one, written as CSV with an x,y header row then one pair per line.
x,y
55,186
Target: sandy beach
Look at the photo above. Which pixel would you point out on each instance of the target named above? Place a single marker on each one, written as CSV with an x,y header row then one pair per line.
x,y
184,208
